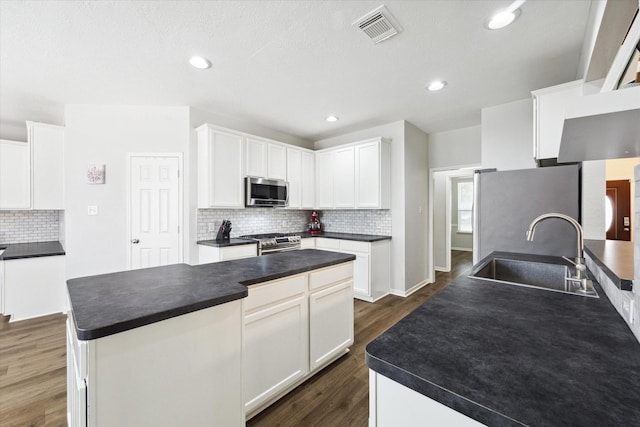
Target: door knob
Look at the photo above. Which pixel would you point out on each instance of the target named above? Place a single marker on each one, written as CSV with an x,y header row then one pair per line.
x,y
135,241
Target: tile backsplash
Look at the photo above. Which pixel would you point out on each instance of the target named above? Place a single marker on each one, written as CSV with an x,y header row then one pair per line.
x,y
357,221
29,226
268,220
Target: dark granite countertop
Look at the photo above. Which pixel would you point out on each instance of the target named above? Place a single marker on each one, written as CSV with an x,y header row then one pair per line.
x,y
31,250
230,242
511,355
111,303
346,236
615,258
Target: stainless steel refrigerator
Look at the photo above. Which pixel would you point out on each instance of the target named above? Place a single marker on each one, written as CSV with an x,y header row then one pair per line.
x,y
505,203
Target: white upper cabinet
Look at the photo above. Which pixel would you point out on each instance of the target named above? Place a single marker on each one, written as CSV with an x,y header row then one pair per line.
x,y
15,175
276,161
324,180
32,173
265,159
47,166
220,168
548,117
344,178
373,175
354,176
301,177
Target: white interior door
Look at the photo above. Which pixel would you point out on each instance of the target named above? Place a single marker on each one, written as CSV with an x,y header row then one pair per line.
x,y
155,211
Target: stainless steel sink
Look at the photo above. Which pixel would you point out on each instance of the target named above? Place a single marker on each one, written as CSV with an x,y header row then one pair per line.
x,y
541,275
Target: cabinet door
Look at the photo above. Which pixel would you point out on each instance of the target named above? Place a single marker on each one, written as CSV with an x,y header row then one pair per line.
x,y
220,169
344,178
330,322
276,161
308,180
324,179
275,350
47,163
256,158
361,279
294,176
367,175
15,172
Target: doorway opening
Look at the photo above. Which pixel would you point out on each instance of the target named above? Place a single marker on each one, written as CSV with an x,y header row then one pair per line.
x,y
619,199
451,215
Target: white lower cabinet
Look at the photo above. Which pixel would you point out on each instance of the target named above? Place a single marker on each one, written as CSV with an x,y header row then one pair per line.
x,y
34,287
181,371
207,254
293,327
392,404
371,269
330,310
274,350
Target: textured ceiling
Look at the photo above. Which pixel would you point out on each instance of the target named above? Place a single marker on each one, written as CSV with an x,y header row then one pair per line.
x,y
283,64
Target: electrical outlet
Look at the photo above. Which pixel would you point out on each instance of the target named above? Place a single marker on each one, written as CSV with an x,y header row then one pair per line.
x,y
211,227
92,210
284,224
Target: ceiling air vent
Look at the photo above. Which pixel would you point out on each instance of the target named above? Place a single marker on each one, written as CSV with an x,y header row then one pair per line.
x,y
378,24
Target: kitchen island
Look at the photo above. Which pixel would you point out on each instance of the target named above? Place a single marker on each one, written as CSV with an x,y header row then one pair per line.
x,y
165,345
500,354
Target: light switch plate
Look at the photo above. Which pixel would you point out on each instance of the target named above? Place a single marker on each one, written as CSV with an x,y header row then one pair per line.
x,y
92,210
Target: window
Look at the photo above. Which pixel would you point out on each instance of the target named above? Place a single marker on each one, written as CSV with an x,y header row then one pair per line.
x,y
465,206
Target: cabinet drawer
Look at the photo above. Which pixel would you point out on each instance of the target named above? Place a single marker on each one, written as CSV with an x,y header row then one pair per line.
x,y
350,245
329,275
271,292
237,252
324,243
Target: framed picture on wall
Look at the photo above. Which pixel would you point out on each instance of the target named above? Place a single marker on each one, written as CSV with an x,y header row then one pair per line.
x,y
95,174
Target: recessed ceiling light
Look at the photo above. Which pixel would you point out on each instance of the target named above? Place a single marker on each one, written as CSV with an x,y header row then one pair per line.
x,y
332,118
200,62
505,17
436,85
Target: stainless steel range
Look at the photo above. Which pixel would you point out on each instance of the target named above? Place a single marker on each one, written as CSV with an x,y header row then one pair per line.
x,y
275,242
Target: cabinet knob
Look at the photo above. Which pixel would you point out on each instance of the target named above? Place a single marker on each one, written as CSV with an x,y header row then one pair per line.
x,y
135,241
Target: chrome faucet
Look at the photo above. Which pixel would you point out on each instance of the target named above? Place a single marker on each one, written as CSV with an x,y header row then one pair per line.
x,y
586,286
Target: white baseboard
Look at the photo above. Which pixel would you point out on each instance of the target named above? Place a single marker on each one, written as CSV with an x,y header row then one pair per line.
x,y
443,269
461,249
412,289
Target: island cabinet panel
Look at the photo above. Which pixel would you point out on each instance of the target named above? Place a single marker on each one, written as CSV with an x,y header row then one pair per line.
x,y
392,404
180,371
293,327
330,322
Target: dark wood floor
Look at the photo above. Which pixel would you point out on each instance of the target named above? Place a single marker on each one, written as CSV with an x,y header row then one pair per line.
x,y
339,395
33,368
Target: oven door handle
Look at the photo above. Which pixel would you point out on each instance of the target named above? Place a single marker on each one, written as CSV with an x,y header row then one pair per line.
x,y
287,249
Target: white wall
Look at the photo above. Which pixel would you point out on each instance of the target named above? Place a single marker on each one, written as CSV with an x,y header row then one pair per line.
x,y
13,132
104,135
440,223
396,133
507,136
199,117
455,148
416,171
593,193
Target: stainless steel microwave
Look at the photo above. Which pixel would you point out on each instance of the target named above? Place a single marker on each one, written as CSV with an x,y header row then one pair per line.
x,y
263,192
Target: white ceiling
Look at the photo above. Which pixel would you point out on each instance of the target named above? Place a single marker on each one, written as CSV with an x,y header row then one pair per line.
x,y
283,64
